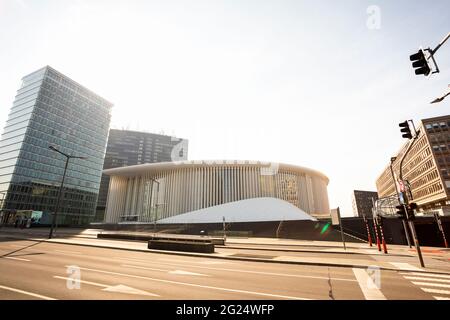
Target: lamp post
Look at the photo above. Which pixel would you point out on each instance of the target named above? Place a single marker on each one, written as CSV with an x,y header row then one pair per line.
x,y
68,157
157,204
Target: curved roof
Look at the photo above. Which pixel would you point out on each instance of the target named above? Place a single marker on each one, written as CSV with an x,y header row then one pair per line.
x,y
166,166
248,210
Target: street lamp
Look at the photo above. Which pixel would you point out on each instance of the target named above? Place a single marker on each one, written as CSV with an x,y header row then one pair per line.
x,y
157,204
68,157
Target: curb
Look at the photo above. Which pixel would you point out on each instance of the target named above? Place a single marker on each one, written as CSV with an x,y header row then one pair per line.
x,y
312,251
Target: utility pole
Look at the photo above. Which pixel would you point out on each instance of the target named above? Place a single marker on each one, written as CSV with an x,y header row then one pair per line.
x,y
407,206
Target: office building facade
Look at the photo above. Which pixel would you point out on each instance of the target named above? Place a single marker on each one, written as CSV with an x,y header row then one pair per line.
x,y
127,147
202,191
362,203
52,110
426,168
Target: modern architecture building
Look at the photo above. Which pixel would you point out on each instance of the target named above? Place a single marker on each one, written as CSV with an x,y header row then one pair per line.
x,y
126,148
426,168
52,110
362,203
210,191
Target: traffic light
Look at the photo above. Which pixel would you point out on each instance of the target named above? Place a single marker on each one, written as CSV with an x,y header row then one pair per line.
x,y
411,207
405,129
401,211
420,63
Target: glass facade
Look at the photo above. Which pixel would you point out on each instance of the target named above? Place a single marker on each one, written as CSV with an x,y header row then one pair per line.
x,y
51,109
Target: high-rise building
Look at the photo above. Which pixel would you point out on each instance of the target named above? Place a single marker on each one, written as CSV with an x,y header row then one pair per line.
x,y
126,148
52,110
426,168
362,202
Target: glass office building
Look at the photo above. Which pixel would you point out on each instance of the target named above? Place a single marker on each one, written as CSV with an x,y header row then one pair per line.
x,y
51,109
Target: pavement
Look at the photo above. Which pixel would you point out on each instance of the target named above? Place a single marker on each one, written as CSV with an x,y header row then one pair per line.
x,y
33,267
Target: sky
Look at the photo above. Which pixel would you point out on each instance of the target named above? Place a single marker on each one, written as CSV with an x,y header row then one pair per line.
x,y
319,84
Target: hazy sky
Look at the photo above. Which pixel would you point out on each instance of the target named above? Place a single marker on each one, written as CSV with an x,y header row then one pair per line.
x,y
321,84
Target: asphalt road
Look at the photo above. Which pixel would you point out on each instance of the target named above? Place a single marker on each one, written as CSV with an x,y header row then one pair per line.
x,y
42,270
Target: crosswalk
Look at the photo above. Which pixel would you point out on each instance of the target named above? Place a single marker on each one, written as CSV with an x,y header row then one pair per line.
x,y
438,285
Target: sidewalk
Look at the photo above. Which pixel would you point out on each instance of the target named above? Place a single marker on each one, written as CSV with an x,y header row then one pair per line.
x,y
399,255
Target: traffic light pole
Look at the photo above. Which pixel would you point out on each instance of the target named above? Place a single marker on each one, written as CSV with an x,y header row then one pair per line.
x,y
441,43
398,197
410,222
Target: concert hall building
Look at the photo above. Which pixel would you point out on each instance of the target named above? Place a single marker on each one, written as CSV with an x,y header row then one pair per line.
x,y
187,192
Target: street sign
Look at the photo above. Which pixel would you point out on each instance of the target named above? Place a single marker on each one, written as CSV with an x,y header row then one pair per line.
x,y
334,217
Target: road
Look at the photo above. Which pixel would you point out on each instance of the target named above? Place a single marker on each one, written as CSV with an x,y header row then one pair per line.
x,y
43,270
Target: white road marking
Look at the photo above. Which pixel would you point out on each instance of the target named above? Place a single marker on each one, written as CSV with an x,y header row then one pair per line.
x,y
259,272
438,291
195,285
187,273
129,290
14,258
405,266
427,279
441,298
368,287
181,272
117,288
428,284
27,293
82,281
427,274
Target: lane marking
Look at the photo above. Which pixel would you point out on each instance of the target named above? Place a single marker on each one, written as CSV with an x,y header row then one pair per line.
x,y
427,274
428,284
14,258
427,279
82,281
260,272
441,298
120,288
195,285
405,266
181,272
27,293
438,291
368,287
187,273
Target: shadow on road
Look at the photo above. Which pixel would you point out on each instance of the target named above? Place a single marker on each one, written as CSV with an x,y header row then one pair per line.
x,y
24,248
